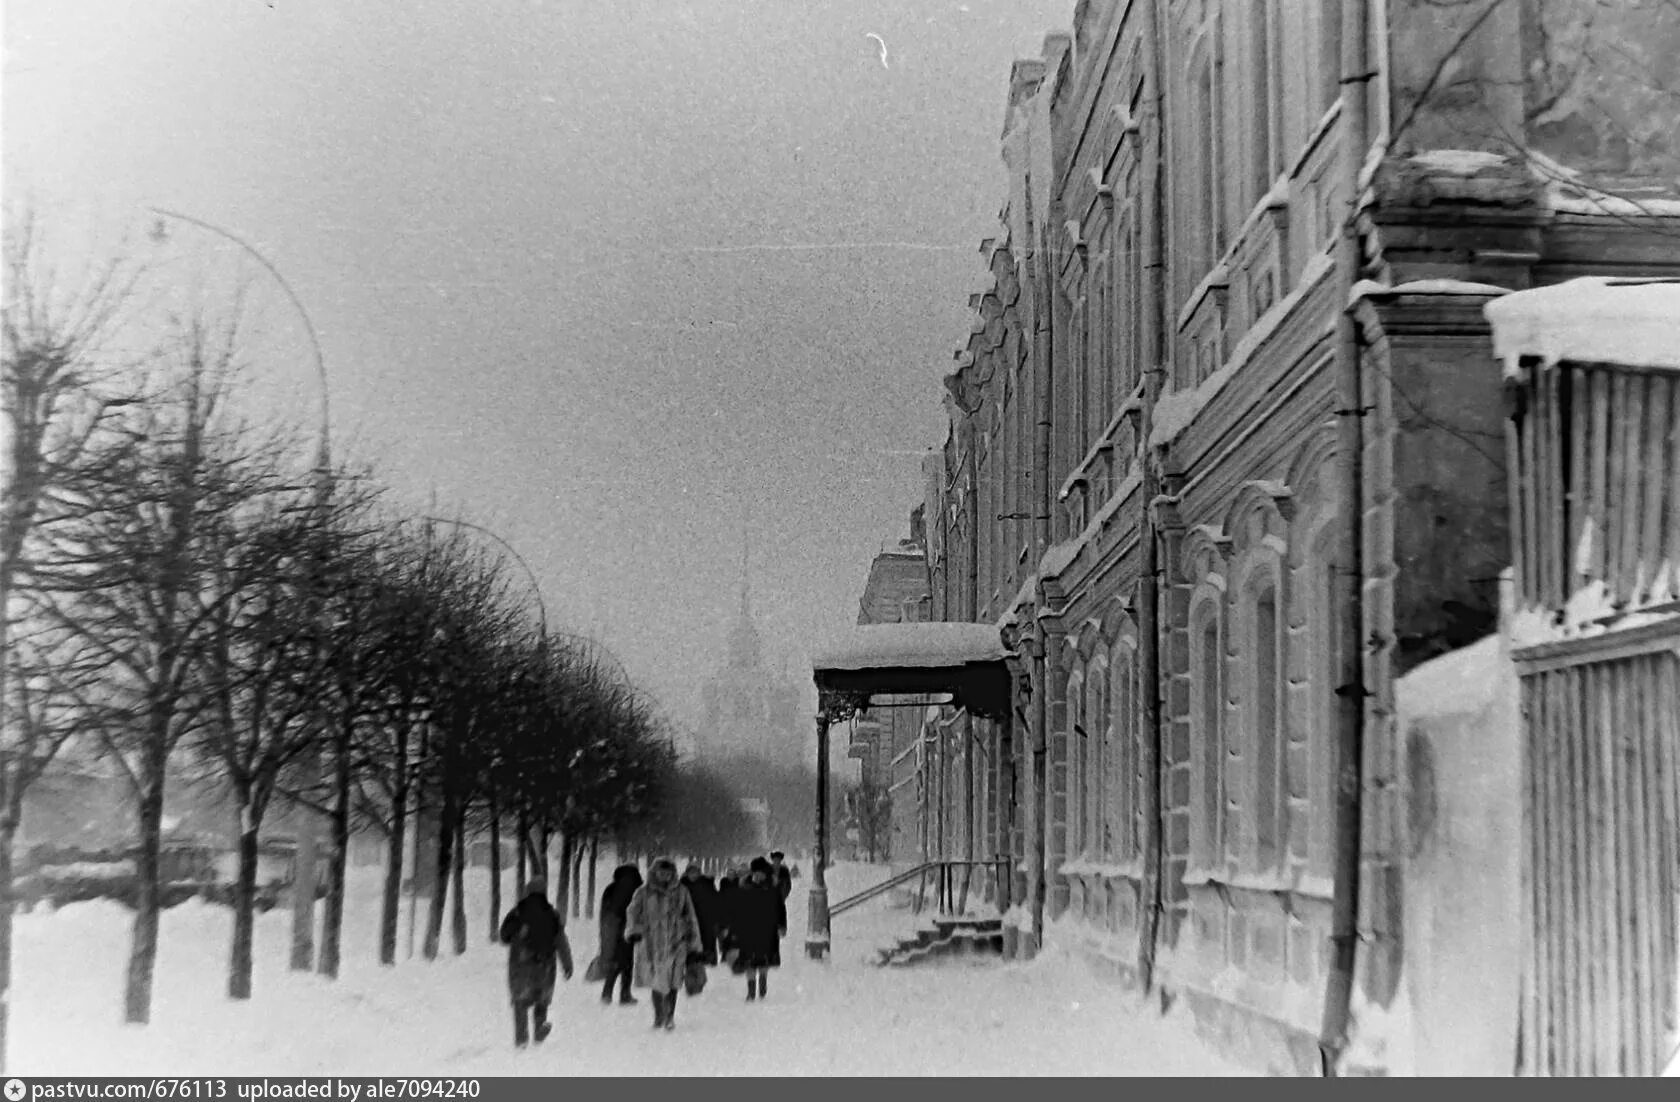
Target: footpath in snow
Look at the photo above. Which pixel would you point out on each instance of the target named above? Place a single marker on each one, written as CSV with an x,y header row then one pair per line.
x,y
843,1016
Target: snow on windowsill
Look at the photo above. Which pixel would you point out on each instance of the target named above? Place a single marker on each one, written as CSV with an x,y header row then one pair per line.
x,y
1060,556
1173,412
1458,162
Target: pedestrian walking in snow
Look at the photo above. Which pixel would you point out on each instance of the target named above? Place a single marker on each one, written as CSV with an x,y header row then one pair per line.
x,y
704,894
535,937
757,923
728,885
617,954
662,926
780,875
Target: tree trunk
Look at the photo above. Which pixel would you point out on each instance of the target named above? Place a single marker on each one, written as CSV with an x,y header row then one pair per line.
x,y
8,836
524,848
390,904
458,879
594,857
244,905
541,861
332,922
562,891
142,957
445,855
577,879
495,873
304,881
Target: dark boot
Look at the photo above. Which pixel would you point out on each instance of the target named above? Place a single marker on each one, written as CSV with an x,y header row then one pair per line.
x,y
658,1010
670,1010
624,996
752,989
763,984
544,1027
606,992
521,1030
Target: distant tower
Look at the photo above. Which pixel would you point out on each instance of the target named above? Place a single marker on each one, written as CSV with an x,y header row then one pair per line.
x,y
748,711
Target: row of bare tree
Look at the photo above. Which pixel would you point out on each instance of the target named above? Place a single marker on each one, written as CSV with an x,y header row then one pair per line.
x,y
185,596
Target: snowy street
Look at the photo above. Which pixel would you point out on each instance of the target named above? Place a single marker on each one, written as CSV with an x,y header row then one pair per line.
x,y
845,1016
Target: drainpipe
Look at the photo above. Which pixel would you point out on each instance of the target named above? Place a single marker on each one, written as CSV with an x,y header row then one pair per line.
x,y
1350,442
965,741
1042,504
1152,760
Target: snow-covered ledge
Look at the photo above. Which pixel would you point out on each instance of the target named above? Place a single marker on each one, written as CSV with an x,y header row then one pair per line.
x,y
1592,319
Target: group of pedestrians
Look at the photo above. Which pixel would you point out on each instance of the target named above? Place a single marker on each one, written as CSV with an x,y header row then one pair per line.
x,y
661,933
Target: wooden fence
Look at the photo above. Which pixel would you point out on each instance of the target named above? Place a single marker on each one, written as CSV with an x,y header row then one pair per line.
x,y
1594,452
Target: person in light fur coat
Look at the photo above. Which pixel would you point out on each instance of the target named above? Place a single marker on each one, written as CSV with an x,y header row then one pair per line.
x,y
665,931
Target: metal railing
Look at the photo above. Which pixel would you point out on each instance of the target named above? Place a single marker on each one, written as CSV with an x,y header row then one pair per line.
x,y
950,896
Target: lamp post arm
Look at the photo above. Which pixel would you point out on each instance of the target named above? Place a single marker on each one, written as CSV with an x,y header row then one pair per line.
x,y
297,303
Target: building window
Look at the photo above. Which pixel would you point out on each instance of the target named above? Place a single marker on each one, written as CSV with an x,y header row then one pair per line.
x,y
1096,759
1208,760
1206,84
1263,722
1263,102
1322,788
1119,825
1073,780
1329,53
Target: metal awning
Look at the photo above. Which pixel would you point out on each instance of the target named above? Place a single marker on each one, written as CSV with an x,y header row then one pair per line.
x,y
966,661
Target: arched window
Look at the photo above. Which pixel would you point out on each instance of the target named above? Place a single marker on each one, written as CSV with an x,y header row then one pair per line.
x,y
1096,759
1321,843
1073,779
1120,828
1207,167
1207,735
1262,713
1264,122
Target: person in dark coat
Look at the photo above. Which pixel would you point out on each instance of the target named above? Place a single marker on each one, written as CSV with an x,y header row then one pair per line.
x,y
757,923
535,935
780,874
703,893
728,885
617,954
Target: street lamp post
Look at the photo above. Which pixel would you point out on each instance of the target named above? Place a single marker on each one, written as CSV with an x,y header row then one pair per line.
x,y
304,877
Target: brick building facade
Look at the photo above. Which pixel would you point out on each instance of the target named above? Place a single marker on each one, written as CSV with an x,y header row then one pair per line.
x,y
1226,461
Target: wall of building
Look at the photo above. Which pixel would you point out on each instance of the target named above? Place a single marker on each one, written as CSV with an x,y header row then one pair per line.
x,y
1231,474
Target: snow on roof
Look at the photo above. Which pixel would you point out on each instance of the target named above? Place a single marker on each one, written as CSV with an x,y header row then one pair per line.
x,y
929,643
1367,287
1592,320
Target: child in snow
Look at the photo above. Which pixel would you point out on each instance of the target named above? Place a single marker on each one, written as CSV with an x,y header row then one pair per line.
x,y
534,935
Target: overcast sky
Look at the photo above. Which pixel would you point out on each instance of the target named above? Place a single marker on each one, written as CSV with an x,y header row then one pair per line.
x,y
632,282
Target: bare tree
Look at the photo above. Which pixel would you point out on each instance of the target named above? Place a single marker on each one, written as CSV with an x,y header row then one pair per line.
x,y
142,595
57,385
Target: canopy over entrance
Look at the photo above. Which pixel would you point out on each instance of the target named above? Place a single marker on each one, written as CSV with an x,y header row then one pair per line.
x,y
880,660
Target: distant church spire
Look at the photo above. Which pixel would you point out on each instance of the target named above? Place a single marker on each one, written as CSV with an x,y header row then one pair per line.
x,y
745,646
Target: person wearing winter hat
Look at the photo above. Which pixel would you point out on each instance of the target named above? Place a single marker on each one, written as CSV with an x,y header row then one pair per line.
x,y
703,892
663,928
757,923
535,935
617,955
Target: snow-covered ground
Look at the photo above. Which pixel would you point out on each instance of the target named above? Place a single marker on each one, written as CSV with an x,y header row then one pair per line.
x,y
843,1016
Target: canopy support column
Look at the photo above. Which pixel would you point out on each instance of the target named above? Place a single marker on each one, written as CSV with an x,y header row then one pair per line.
x,y
816,925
